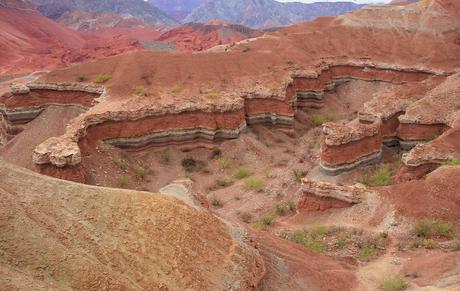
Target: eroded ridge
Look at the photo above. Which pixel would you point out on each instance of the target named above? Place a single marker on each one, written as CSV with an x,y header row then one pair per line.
x,y
409,116
199,120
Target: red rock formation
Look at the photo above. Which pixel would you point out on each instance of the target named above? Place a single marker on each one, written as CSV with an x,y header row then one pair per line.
x,y
199,37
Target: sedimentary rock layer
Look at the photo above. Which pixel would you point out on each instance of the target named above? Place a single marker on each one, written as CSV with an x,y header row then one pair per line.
x,y
350,194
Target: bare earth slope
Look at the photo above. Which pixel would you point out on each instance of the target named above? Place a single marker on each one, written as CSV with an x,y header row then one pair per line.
x,y
87,238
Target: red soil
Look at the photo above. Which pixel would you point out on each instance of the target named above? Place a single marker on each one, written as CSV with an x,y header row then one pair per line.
x,y
291,266
314,203
30,41
436,197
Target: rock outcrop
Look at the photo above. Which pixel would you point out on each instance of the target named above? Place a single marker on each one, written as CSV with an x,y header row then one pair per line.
x,y
351,194
98,238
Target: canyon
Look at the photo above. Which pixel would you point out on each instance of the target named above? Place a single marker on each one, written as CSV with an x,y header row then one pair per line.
x,y
320,156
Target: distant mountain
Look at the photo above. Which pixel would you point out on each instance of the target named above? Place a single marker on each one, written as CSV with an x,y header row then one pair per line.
x,y
266,13
134,9
178,9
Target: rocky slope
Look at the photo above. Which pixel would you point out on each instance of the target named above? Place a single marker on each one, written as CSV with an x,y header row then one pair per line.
x,y
133,10
86,238
178,9
265,13
198,37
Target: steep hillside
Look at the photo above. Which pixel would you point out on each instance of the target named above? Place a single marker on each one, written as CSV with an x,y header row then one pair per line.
x,y
265,13
78,237
138,9
30,41
178,9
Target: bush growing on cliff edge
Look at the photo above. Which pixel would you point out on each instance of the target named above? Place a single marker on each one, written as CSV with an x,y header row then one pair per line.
x,y
223,163
140,91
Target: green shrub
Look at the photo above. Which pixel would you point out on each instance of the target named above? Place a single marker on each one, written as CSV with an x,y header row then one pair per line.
x,y
342,241
122,181
213,94
242,173
307,239
123,164
223,163
257,184
394,283
367,252
320,119
382,176
429,244
443,228
101,78
140,91
176,89
139,171
263,222
455,162
224,182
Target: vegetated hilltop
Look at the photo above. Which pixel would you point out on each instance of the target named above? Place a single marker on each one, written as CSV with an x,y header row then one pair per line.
x,y
265,13
61,235
133,10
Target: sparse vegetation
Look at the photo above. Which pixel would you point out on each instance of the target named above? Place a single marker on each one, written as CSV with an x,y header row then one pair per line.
x,y
290,62
223,163
339,241
216,152
263,222
427,228
254,183
224,182
122,163
320,119
80,78
139,171
455,162
165,157
394,283
101,78
298,175
214,201
285,208
122,181
242,173
140,91
192,165
212,94
382,176
176,88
